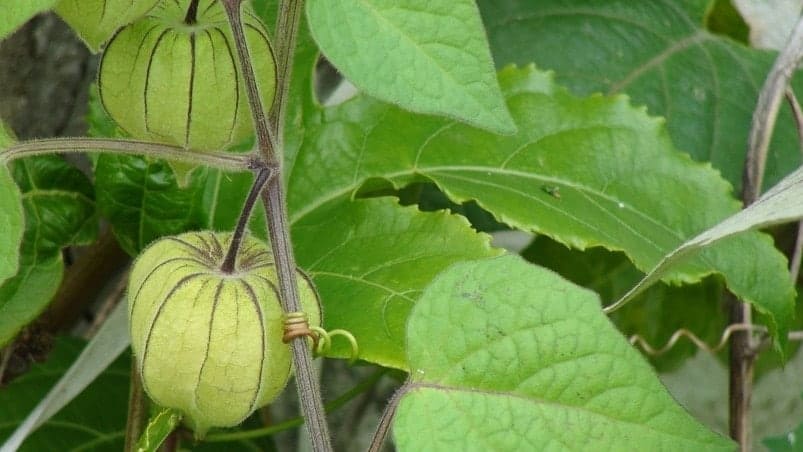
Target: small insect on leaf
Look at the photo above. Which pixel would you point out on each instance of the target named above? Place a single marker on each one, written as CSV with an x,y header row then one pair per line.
x,y
551,190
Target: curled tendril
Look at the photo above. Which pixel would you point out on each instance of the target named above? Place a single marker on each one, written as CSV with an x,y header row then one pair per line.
x,y
325,341
296,324
702,345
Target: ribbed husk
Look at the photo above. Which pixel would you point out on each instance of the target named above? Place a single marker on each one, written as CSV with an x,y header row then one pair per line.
x,y
161,79
208,343
95,21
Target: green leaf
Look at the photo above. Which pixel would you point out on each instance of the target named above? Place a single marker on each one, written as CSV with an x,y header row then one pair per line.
x,y
791,442
95,420
428,57
59,204
12,221
27,294
659,53
508,356
586,172
657,313
17,12
59,211
158,429
782,203
724,19
142,200
374,262
95,21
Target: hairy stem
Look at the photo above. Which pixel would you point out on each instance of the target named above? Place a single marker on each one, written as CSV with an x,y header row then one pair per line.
x,y
383,428
266,139
236,240
743,348
287,24
278,228
222,160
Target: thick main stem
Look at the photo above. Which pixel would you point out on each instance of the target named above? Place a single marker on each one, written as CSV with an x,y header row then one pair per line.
x,y
740,380
278,226
137,410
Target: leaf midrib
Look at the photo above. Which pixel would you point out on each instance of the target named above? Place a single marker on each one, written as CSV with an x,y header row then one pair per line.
x,y
428,171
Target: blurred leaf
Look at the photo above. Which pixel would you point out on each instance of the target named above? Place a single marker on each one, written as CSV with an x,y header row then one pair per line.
x,y
657,313
370,260
660,54
776,403
791,442
95,420
59,205
17,12
586,172
12,223
428,57
725,20
508,356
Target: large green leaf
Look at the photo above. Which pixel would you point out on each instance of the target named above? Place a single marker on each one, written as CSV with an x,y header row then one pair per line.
x,y
12,221
586,172
429,57
370,260
93,421
508,356
142,199
17,12
782,203
657,313
59,211
96,20
658,53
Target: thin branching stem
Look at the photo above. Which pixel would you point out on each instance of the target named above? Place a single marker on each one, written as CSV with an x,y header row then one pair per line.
x,y
797,252
383,429
743,347
260,180
275,210
222,160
